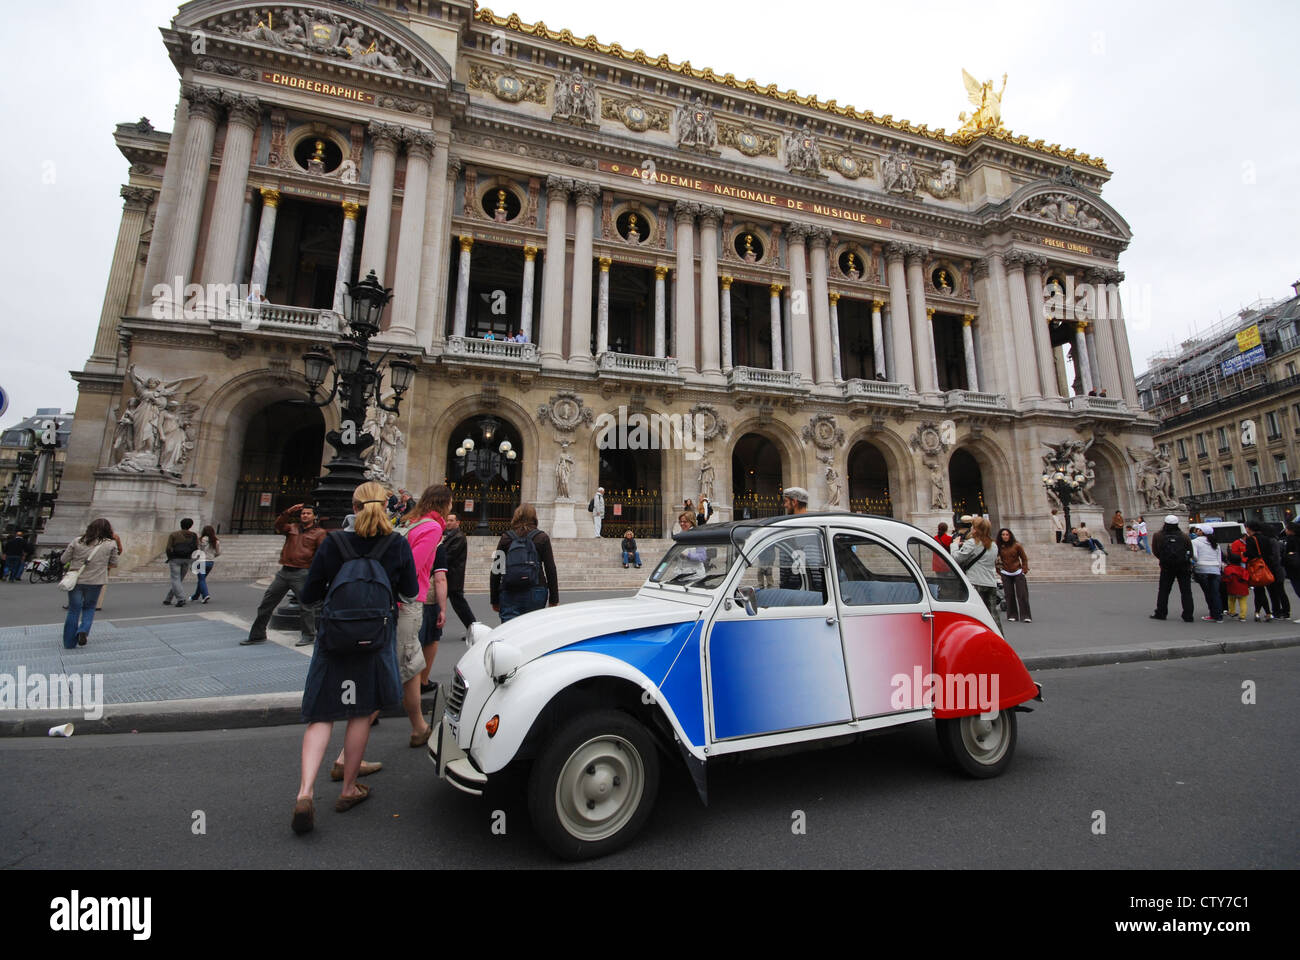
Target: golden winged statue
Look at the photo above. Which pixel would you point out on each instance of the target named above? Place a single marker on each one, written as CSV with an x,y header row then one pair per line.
x,y
987,104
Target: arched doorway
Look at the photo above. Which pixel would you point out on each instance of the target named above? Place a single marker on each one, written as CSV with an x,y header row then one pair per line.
x,y
756,478
279,464
633,492
484,460
1106,489
966,481
869,490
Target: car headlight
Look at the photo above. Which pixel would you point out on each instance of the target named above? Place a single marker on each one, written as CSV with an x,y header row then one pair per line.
x,y
476,633
500,660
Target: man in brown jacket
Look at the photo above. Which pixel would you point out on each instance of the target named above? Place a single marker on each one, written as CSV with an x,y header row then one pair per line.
x,y
302,537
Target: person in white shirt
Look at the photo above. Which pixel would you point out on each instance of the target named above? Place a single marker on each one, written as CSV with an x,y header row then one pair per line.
x,y
597,507
1144,542
1208,571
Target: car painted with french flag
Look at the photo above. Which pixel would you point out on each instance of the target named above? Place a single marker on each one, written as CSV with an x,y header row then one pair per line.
x,y
752,637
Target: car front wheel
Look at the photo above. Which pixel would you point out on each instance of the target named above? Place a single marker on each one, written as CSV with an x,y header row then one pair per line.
x,y
593,786
979,745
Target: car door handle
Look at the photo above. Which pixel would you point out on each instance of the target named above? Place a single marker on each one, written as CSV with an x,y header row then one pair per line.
x,y
831,621
927,616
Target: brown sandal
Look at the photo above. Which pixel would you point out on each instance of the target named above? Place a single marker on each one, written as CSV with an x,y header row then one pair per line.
x,y
344,804
365,770
304,815
420,739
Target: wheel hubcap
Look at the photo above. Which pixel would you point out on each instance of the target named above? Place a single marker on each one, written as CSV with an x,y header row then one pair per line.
x,y
985,738
599,788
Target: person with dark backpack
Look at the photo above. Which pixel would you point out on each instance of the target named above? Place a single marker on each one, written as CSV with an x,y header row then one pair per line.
x,y
360,575
181,545
1174,550
523,568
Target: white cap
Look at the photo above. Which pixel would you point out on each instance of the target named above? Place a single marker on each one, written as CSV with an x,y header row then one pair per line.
x,y
1171,519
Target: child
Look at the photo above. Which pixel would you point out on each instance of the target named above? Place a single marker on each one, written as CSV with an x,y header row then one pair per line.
x,y
1131,537
630,552
1234,579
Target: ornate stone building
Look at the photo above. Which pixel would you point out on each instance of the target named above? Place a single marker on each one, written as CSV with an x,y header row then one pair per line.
x,y
761,289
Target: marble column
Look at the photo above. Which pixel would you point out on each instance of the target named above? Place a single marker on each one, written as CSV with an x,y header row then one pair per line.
x,y
137,201
887,328
526,297
724,309
165,208
837,367
710,346
245,113
996,329
801,354
825,365
1123,352
432,322
1062,375
1034,265
245,238
684,307
1090,338
1081,363
192,188
922,339
1026,364
1107,348
586,195
265,240
347,250
968,343
661,313
778,361
878,337
462,286
557,212
901,361
410,236
379,207
602,309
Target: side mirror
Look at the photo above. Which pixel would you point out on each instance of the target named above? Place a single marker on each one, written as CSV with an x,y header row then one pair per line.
x,y
749,598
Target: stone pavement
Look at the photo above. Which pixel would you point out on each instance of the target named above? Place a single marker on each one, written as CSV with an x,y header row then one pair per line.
x,y
184,670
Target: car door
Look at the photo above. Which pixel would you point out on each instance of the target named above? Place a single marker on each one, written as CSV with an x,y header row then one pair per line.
x,y
781,669
885,622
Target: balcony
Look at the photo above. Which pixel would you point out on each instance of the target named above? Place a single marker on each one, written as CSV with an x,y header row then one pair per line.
x,y
877,390
1207,408
1111,405
494,352
273,316
1264,494
760,380
633,366
971,400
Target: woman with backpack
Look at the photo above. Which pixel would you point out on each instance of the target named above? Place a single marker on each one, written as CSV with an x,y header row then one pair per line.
x,y
528,581
210,548
1208,571
420,620
90,556
353,672
978,557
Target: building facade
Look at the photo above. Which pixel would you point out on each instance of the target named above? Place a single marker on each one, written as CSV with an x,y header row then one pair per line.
x,y
1229,409
750,288
33,453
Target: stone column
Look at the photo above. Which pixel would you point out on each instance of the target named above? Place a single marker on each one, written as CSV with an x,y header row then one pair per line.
x,y
431,325
410,236
462,286
1062,376
878,337
526,298
887,328
724,306
922,338
1107,347
801,341
1034,265
710,350
1027,366
136,205
968,343
1090,338
661,313
837,367
778,361
165,208
245,238
1123,353
602,308
586,195
995,328
825,349
347,250
1081,355
265,240
557,212
192,188
379,207
895,253
684,312
228,204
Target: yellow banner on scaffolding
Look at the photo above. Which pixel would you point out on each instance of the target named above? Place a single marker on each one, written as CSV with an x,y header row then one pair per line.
x,y
1248,339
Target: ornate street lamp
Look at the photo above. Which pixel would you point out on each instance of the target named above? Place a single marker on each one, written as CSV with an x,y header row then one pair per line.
x,y
485,464
1064,487
355,382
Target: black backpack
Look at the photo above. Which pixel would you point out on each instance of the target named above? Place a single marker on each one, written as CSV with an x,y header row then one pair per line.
x,y
179,552
360,611
1175,551
523,565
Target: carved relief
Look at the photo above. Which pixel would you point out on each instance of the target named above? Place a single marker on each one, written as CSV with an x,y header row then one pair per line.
x,y
823,431
156,431
565,412
928,441
747,140
320,33
507,85
696,126
802,153
575,98
1064,209
634,114
898,174
846,164
946,184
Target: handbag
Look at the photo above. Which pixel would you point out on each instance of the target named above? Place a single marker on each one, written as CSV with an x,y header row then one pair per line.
x,y
1257,572
69,581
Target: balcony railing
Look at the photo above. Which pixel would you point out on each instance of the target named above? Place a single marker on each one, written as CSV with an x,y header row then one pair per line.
x,y
760,379
1208,408
633,364
876,390
969,398
491,351
1099,404
254,316
1288,489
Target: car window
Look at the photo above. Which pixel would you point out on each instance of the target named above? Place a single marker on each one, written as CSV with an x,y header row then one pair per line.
x,y
871,575
695,566
788,571
937,568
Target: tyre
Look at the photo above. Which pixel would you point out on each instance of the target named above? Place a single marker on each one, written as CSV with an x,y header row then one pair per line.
x,y
34,576
978,746
594,785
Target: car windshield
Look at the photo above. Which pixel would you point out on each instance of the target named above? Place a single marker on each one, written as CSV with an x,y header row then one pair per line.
x,y
695,566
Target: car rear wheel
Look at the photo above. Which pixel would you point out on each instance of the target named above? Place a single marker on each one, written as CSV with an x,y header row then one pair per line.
x,y
594,785
979,745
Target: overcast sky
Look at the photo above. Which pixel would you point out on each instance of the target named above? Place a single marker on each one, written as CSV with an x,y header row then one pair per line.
x,y
1194,106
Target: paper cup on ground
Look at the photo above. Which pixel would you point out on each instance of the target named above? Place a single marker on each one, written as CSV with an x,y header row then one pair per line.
x,y
62,730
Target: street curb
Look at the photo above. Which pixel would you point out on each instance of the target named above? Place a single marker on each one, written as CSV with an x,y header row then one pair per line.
x,y
1097,658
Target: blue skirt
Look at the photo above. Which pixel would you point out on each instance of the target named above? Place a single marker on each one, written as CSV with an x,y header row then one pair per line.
x,y
352,685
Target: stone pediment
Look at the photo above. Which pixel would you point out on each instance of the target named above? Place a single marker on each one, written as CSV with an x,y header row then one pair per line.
x,y
1062,203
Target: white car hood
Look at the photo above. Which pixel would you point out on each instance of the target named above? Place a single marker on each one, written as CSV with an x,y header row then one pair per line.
x,y
538,633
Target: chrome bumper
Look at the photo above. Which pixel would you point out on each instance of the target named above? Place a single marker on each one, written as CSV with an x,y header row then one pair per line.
x,y
450,762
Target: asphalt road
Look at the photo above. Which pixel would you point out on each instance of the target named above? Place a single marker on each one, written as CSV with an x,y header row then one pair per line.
x,y
1186,775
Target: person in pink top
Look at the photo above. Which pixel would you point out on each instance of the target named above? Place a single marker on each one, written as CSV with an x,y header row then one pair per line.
x,y
424,534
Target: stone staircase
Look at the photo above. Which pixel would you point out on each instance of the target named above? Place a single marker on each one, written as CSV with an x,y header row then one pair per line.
x,y
243,557
1057,563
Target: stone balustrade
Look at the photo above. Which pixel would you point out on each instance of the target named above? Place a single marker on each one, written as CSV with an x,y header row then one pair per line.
x,y
632,364
971,398
491,351
252,316
876,390
760,379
